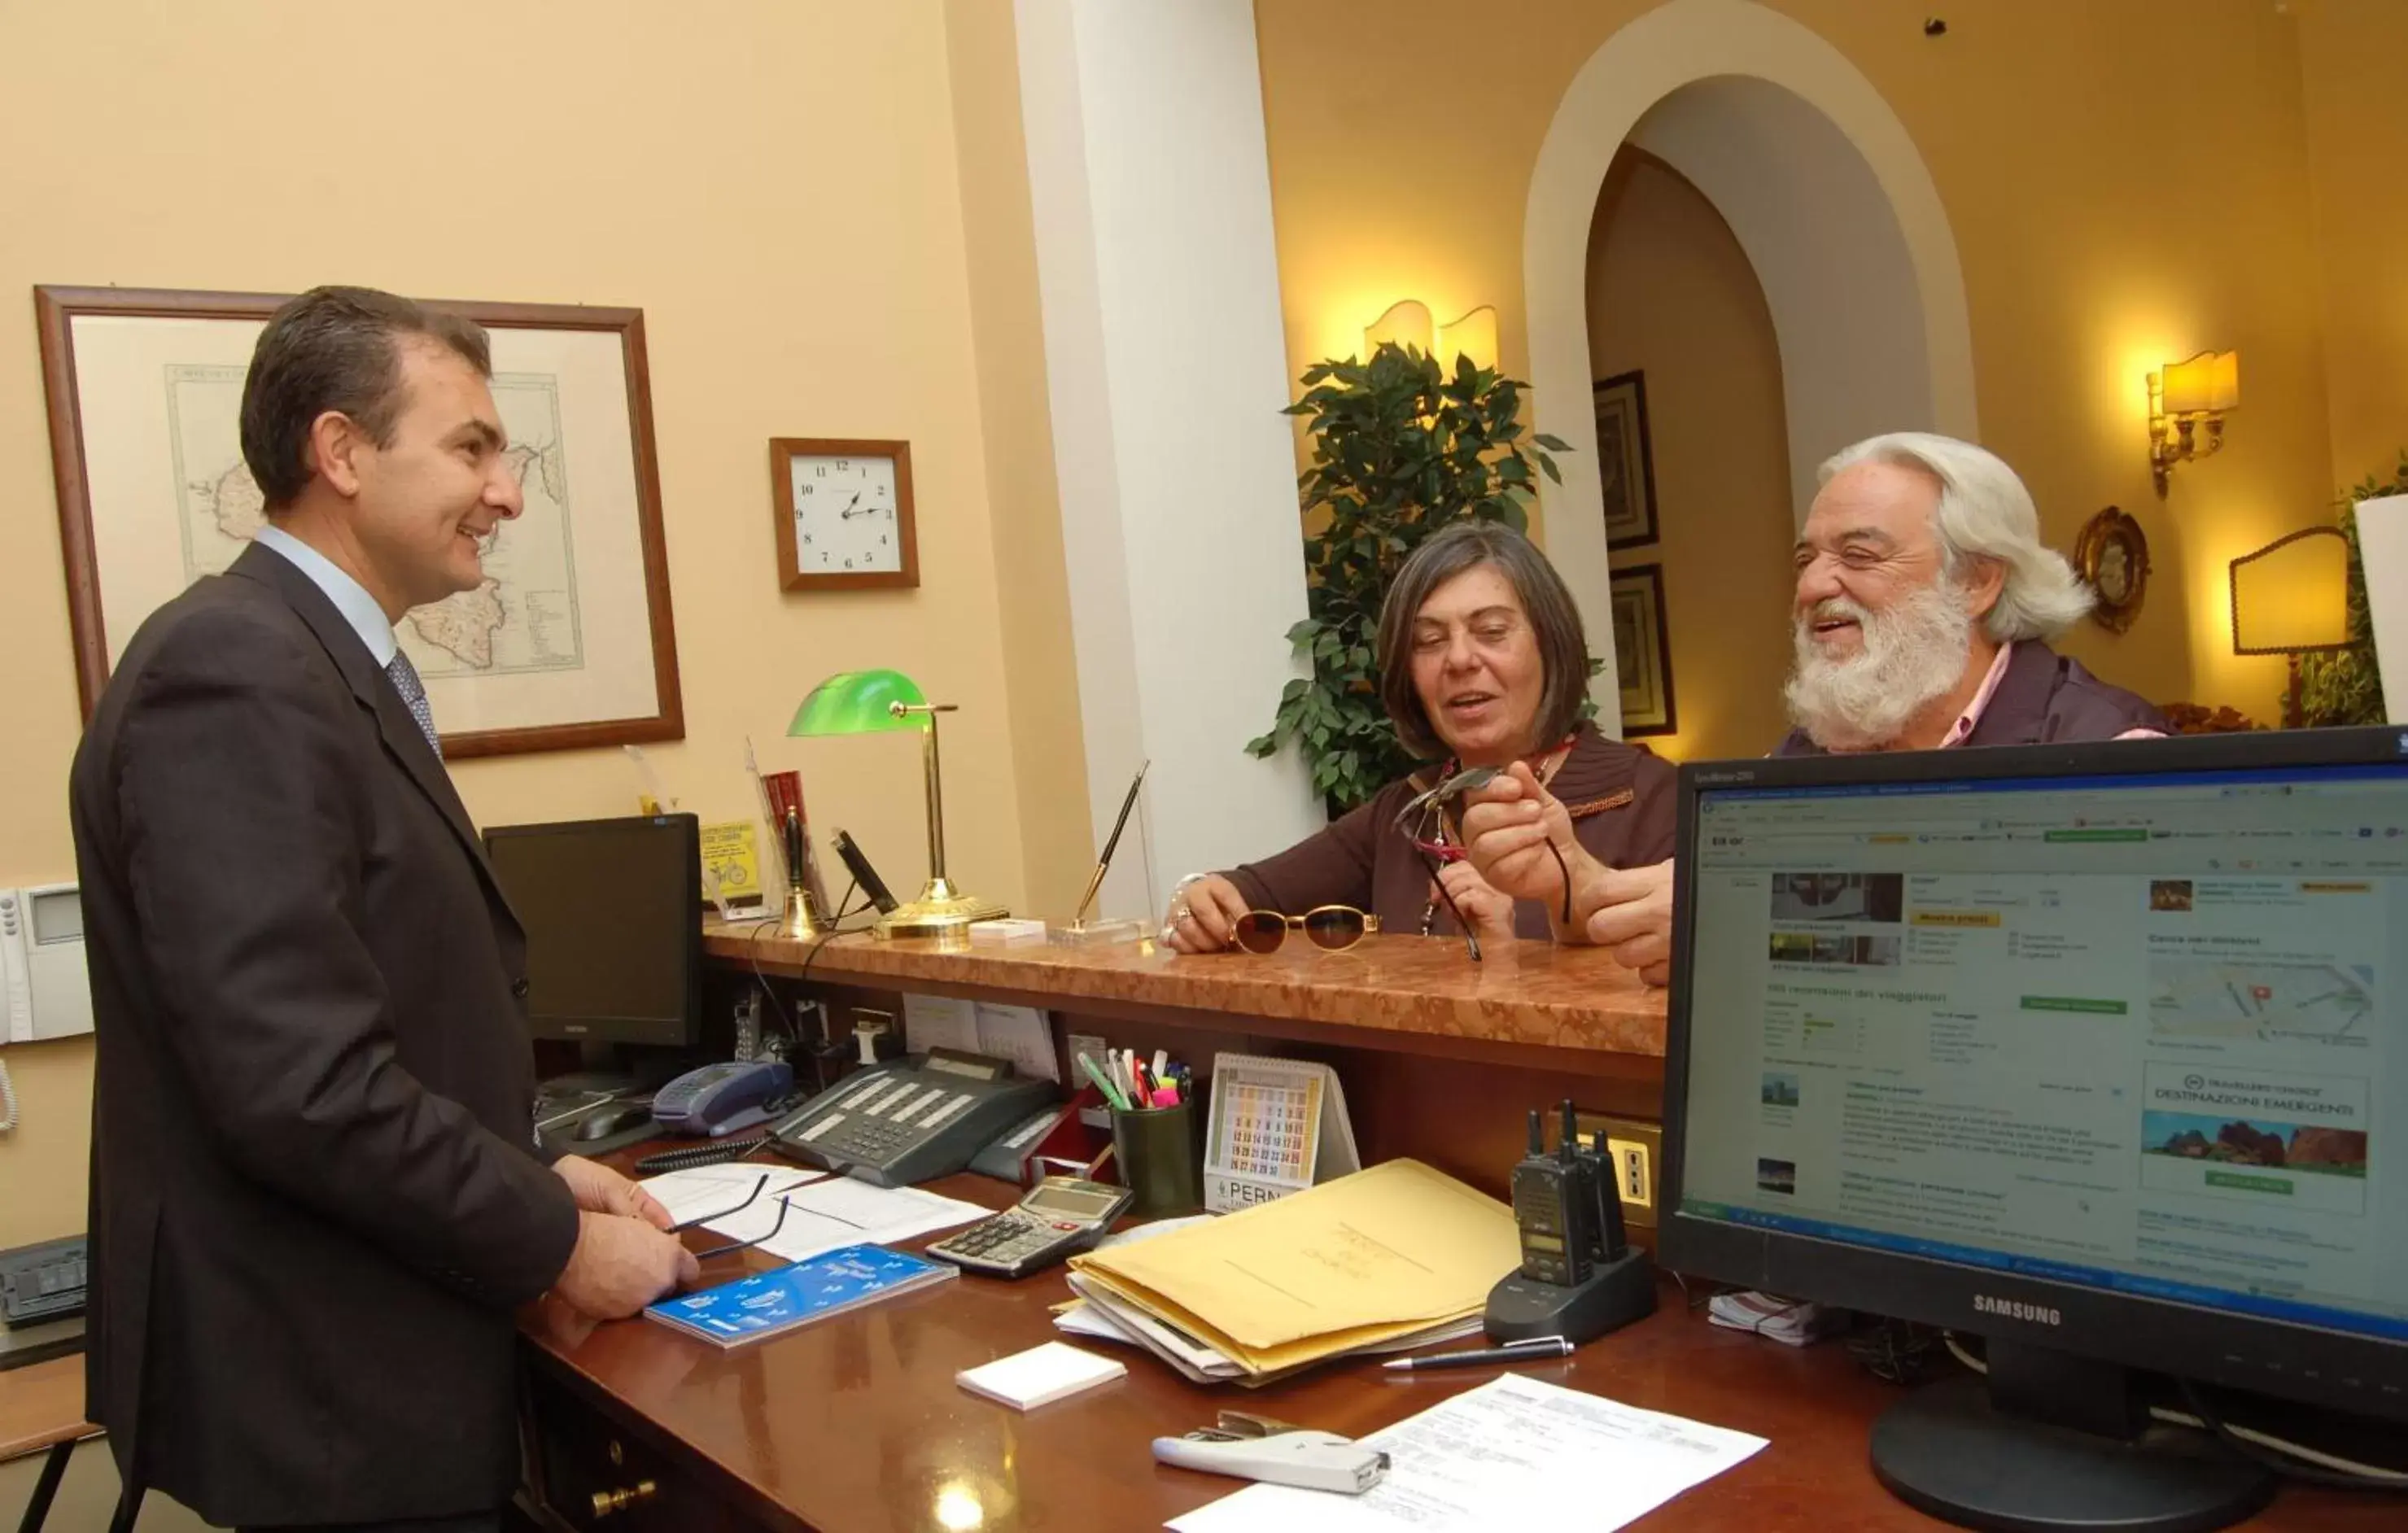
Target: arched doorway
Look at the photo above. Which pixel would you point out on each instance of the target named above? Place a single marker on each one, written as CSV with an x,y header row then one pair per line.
x,y
1824,191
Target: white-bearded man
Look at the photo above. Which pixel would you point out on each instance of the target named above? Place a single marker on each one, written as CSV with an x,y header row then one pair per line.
x,y
1925,603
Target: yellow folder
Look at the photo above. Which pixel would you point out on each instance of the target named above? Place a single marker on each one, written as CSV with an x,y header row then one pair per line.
x,y
1366,1258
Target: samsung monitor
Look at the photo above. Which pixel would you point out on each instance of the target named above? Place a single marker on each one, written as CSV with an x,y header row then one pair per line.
x,y
2092,1051
612,910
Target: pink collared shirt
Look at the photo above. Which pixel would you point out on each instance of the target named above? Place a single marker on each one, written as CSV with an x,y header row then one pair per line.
x,y
1972,714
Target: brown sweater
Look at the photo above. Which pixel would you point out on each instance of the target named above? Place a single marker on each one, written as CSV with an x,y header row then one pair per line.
x,y
1621,799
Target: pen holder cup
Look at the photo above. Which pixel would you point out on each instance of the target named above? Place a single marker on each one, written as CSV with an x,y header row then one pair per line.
x,y
1161,1159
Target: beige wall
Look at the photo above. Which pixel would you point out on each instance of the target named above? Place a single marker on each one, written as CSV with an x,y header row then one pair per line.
x,y
1671,293
779,193
2096,240
2357,139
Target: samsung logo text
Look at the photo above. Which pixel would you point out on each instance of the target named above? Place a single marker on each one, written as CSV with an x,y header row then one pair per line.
x,y
2007,1308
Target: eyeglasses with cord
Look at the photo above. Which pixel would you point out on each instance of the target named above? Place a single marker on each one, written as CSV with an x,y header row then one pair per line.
x,y
1422,823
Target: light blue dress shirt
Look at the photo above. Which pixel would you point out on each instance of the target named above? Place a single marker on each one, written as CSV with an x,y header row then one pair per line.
x,y
350,597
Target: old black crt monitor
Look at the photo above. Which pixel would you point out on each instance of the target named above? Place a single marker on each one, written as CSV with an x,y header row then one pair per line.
x,y
2095,1051
612,910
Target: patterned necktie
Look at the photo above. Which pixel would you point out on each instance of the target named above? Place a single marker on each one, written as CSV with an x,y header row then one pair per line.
x,y
413,692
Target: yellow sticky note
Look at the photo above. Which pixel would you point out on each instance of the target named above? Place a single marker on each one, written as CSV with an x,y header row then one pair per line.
x,y
732,852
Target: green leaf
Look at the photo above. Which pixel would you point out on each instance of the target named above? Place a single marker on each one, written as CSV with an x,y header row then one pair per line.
x,y
1548,467
1553,444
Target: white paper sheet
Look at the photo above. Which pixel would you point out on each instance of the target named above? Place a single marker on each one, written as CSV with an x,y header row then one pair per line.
x,y
1021,1035
1514,1453
939,1022
693,1195
840,1211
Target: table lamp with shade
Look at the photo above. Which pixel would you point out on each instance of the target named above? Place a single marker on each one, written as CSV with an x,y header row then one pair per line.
x,y
2290,599
868,702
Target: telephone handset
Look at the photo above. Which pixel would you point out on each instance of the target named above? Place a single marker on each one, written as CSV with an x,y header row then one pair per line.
x,y
910,1119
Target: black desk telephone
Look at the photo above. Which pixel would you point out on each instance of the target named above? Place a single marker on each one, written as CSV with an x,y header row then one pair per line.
x,y
910,1119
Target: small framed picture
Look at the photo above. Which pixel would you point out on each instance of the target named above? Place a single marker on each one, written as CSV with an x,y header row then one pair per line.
x,y
2112,556
1643,660
1625,464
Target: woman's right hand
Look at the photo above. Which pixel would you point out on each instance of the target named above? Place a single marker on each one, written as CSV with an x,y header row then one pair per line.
x,y
1204,915
1508,827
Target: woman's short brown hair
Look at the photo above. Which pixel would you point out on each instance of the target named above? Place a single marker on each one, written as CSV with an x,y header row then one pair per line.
x,y
1563,642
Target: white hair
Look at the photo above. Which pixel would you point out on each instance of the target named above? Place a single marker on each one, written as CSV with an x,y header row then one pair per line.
x,y
1985,513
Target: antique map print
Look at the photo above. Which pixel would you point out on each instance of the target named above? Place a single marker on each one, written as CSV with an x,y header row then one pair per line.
x,y
525,617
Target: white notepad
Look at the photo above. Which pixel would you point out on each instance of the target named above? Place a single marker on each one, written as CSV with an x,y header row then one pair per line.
x,y
1040,1376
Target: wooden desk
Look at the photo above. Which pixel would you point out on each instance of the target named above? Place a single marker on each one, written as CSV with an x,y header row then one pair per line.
x,y
855,1425
1440,1057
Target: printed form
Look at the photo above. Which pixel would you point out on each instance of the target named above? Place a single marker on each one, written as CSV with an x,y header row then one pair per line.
x,y
1514,1453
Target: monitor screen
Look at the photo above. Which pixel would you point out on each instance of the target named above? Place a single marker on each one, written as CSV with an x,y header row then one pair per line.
x,y
2123,1032
611,909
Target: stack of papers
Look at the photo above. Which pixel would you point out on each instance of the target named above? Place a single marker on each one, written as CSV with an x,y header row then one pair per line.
x,y
705,1192
1514,1453
1385,1259
824,1214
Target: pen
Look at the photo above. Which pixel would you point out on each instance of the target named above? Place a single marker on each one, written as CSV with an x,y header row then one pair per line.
x,y
1103,1082
1104,863
1511,1351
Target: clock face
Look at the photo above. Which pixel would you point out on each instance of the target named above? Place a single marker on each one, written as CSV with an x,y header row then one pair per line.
x,y
844,515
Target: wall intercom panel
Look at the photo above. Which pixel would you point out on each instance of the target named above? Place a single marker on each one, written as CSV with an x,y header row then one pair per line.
x,y
44,986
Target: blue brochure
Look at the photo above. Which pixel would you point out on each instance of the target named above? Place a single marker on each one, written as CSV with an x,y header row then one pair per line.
x,y
766,1303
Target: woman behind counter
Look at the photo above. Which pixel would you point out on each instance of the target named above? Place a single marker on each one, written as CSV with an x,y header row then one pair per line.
x,y
1483,663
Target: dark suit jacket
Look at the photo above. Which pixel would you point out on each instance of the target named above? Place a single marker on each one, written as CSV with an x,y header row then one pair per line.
x,y
315,1196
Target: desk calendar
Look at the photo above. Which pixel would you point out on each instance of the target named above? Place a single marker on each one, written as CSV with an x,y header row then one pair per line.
x,y
1277,1127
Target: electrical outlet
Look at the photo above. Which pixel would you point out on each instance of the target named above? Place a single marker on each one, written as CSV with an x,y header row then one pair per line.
x,y
1637,1150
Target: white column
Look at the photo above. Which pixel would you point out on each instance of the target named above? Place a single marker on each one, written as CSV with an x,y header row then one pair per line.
x,y
1166,370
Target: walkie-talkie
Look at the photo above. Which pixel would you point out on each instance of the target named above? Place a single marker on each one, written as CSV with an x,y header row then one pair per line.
x,y
1555,1207
1580,1276
864,875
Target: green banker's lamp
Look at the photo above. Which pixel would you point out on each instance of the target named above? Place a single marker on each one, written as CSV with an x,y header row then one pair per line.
x,y
870,702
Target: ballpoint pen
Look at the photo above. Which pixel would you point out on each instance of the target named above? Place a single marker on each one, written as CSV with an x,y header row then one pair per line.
x,y
1112,844
1511,1351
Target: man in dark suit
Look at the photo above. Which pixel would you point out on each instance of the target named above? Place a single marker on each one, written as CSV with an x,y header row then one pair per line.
x,y
316,1197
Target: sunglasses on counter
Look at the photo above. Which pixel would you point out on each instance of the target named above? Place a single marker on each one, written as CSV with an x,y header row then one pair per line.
x,y
1332,928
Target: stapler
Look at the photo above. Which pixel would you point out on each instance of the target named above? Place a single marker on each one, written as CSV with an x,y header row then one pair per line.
x,y
1280,1452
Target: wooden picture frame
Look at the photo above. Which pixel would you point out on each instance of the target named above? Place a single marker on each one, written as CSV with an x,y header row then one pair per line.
x,y
531,669
1642,651
1625,460
2112,556
792,571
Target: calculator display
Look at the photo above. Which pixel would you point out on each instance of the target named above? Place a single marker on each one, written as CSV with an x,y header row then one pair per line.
x,y
1070,1202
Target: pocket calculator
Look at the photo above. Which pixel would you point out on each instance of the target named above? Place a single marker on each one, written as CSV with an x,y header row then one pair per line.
x,y
1060,1215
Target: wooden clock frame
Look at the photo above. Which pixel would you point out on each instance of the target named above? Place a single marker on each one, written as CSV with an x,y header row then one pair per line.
x,y
783,451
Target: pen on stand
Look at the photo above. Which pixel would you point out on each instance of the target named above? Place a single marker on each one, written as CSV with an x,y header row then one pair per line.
x,y
1511,1351
1112,844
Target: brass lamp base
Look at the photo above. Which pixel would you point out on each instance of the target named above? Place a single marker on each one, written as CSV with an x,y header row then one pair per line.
x,y
940,911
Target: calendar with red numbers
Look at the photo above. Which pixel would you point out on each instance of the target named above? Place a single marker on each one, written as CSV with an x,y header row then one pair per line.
x,y
1278,1126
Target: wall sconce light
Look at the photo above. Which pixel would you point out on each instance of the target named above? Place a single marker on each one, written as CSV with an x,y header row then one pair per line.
x,y
1408,322
2291,598
2181,396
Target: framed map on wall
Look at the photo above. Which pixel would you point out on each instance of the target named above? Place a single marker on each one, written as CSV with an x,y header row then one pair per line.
x,y
568,642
